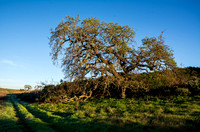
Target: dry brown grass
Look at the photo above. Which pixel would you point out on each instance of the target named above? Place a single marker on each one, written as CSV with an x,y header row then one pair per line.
x,y
4,92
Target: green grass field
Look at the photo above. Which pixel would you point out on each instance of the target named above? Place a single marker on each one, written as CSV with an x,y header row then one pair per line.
x,y
172,114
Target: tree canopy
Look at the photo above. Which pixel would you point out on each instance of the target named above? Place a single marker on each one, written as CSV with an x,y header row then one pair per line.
x,y
97,48
27,87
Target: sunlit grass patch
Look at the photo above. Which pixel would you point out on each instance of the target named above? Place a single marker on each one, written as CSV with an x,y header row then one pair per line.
x,y
36,124
156,114
8,119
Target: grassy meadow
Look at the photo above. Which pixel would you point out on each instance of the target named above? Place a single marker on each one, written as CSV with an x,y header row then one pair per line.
x,y
181,113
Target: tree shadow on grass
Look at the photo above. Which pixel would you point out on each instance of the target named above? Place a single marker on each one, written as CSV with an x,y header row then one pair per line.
x,y
86,124
69,123
176,123
196,114
63,114
7,125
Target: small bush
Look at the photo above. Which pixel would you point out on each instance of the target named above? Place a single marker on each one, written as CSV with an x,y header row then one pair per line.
x,y
194,85
182,91
29,97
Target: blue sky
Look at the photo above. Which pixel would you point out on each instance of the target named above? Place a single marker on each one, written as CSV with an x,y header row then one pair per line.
x,y
25,27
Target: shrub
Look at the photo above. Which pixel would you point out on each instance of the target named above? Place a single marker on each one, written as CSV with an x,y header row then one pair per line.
x,y
182,91
29,97
179,81
194,85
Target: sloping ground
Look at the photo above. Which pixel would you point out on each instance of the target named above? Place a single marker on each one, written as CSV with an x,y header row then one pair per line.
x,y
3,92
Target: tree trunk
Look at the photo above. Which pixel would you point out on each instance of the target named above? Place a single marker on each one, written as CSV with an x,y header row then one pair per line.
x,y
123,92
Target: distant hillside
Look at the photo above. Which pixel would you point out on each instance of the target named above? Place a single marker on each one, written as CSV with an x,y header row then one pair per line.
x,y
5,91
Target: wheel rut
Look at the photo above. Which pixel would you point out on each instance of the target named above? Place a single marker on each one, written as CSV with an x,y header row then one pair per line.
x,y
53,127
21,120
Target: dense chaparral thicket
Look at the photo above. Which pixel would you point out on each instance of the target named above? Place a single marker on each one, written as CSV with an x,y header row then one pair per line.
x,y
182,81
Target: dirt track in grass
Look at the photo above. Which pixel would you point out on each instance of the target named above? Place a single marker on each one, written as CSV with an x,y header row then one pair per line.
x,y
4,97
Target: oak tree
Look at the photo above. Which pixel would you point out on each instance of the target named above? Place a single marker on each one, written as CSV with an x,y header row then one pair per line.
x,y
27,87
94,48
